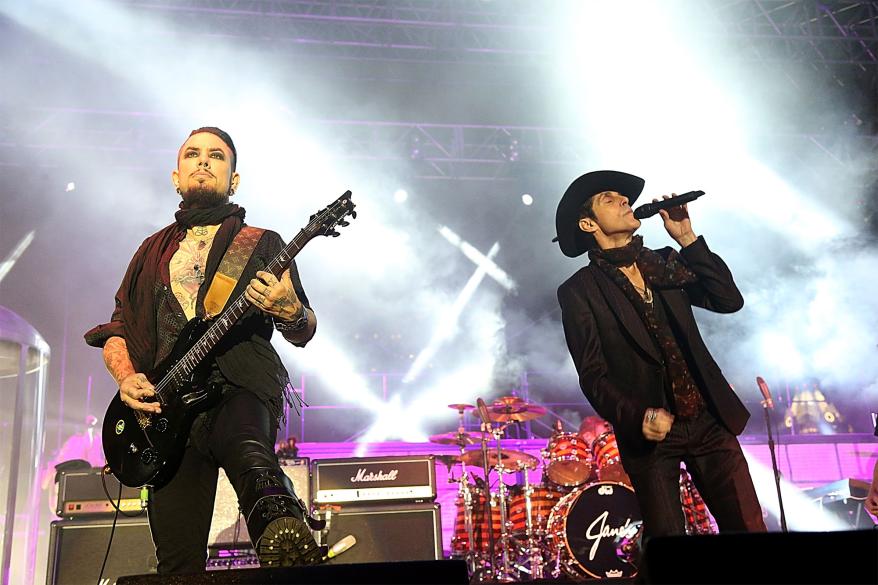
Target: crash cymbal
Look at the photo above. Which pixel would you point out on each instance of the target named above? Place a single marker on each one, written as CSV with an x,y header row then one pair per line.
x,y
457,438
461,407
508,400
509,459
514,411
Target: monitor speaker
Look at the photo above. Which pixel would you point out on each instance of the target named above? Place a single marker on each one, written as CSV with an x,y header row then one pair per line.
x,y
384,533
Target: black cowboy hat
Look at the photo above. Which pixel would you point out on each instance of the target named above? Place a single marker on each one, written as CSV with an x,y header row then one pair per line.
x,y
574,241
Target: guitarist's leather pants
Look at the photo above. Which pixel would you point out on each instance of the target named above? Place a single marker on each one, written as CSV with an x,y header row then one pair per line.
x,y
238,434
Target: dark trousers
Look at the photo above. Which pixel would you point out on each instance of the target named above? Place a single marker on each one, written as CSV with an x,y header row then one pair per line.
x,y
240,439
716,463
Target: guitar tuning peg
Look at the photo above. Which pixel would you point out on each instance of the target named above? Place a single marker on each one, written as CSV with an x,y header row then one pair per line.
x,y
334,234
354,214
344,223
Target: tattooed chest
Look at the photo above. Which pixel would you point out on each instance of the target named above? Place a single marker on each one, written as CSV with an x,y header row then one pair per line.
x,y
187,273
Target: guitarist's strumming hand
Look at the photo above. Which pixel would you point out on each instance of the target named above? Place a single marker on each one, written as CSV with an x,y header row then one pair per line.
x,y
276,297
134,389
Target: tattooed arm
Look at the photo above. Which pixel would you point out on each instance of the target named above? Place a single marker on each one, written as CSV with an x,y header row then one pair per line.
x,y
133,387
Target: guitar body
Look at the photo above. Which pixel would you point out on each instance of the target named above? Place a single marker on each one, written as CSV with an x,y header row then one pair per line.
x,y
146,448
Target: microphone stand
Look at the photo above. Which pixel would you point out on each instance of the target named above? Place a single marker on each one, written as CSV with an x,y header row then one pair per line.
x,y
783,518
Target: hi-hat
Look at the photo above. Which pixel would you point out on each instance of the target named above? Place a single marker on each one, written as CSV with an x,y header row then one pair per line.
x,y
510,460
461,407
457,438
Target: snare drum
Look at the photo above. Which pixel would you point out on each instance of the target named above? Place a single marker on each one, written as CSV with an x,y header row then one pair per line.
x,y
596,530
542,500
609,464
570,459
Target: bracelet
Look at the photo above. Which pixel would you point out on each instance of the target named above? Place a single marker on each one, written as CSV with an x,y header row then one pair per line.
x,y
298,323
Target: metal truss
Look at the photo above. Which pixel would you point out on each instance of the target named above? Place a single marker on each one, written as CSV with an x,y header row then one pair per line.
x,y
428,151
433,31
829,32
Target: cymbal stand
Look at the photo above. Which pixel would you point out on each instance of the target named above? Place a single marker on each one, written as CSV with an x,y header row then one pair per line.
x,y
486,428
472,556
534,552
505,573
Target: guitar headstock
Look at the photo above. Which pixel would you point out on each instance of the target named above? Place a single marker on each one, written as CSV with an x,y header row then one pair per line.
x,y
326,221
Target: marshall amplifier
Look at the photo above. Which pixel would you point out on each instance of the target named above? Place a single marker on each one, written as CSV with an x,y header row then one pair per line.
x,y
81,493
375,479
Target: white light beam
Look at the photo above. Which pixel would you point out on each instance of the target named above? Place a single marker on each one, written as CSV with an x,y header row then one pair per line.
x,y
448,322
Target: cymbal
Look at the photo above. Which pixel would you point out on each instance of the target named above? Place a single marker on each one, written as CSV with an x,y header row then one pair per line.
x,y
508,400
457,438
461,407
504,410
509,459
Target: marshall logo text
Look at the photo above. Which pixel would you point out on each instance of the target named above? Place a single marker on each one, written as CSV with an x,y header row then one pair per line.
x,y
362,476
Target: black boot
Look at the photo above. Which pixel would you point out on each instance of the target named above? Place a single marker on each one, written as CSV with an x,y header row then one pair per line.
x,y
276,521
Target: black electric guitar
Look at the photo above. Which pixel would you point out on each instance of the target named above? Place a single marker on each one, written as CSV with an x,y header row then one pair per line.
x,y
146,448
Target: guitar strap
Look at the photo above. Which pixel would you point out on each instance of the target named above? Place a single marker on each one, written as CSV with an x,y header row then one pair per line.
x,y
230,269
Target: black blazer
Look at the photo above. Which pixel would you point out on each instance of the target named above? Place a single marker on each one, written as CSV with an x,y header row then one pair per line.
x,y
620,369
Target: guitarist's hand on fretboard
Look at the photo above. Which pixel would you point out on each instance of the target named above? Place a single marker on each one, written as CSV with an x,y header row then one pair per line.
x,y
276,297
134,389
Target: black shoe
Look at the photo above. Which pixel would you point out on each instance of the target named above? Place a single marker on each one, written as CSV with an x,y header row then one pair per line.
x,y
287,542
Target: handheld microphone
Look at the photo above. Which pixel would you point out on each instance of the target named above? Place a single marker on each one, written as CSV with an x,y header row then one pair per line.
x,y
766,393
340,547
650,209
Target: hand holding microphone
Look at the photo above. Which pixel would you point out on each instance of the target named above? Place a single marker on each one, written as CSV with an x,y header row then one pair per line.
x,y
675,214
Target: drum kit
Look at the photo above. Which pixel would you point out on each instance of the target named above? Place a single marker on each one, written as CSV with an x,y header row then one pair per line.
x,y
582,519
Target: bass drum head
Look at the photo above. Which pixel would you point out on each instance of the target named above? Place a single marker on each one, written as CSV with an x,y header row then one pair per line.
x,y
597,530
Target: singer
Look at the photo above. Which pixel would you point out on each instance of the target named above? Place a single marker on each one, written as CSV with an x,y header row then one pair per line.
x,y
642,364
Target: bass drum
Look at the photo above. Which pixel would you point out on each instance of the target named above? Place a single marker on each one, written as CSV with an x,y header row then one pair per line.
x,y
596,531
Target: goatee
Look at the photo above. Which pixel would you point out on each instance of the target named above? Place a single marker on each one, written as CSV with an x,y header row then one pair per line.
x,y
203,198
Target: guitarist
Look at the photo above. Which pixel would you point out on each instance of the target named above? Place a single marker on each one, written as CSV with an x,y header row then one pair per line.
x,y
165,287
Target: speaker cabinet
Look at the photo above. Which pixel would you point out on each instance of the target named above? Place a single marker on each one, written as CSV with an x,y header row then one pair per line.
x,y
227,527
399,532
77,548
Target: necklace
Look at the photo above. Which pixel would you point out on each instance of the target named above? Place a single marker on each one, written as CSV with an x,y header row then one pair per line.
x,y
645,293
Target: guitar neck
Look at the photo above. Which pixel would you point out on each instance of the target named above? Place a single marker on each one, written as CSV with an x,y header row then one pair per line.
x,y
234,311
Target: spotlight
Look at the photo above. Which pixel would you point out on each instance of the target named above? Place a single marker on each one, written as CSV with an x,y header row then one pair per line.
x,y
400,195
527,199
71,186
